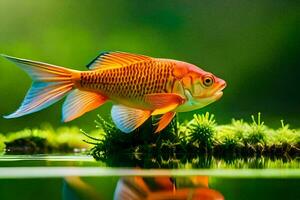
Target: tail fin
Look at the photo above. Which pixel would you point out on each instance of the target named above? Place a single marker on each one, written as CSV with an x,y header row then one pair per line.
x,y
50,84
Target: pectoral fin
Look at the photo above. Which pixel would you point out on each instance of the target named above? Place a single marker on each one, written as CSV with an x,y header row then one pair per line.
x,y
164,102
128,119
164,121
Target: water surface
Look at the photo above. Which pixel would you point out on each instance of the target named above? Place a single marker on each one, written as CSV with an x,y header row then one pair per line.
x,y
81,177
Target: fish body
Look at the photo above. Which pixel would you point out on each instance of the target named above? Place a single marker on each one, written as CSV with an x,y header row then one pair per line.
x,y
138,85
130,84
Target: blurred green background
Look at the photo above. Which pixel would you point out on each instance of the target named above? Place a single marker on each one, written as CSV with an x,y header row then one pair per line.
x,y
253,45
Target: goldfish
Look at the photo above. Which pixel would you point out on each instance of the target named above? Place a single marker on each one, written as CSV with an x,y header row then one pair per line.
x,y
163,188
139,86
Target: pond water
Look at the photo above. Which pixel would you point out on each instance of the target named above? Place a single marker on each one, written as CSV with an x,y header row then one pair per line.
x,y
81,177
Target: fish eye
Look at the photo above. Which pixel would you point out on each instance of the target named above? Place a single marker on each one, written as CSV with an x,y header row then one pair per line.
x,y
208,80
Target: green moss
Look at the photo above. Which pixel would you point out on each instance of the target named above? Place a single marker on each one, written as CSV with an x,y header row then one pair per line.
x,y
198,137
228,140
198,161
111,140
2,143
28,145
284,135
201,131
179,141
45,140
256,134
70,139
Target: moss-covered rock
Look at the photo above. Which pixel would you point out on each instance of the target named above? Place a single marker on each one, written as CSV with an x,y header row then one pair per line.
x,y
2,143
198,137
201,136
44,140
28,145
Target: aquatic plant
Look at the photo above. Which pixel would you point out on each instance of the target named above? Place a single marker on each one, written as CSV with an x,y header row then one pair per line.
x,y
71,139
228,138
111,140
256,134
283,141
201,130
198,161
45,140
285,135
198,137
179,141
108,138
29,141
248,139
2,143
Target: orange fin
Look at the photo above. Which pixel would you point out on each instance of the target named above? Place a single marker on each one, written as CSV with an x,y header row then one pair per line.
x,y
128,119
41,95
115,59
139,181
164,102
164,121
79,102
164,182
200,180
50,84
42,72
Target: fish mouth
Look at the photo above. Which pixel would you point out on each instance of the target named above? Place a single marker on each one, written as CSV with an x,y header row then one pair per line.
x,y
219,92
222,86
218,95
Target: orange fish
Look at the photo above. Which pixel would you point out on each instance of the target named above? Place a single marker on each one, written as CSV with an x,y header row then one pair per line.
x,y
139,86
162,188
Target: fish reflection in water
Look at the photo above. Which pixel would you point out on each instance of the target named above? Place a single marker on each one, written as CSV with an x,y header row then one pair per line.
x,y
144,188
162,188
74,188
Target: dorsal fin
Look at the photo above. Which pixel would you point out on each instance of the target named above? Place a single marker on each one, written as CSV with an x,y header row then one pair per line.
x,y
112,59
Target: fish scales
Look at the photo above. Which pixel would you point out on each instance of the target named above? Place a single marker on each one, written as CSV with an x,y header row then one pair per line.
x,y
132,81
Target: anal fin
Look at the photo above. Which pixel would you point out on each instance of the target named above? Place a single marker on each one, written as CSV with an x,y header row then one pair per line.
x,y
164,121
79,102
